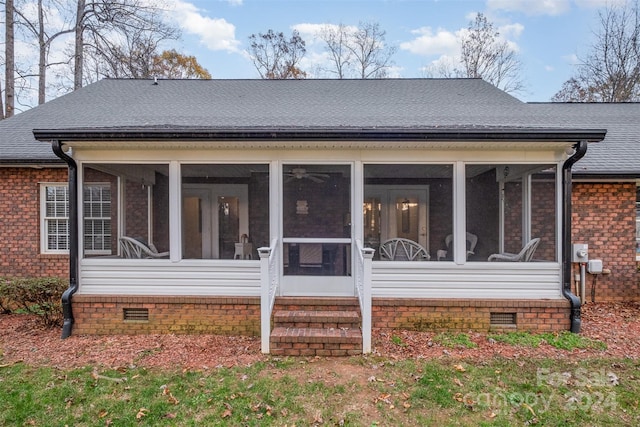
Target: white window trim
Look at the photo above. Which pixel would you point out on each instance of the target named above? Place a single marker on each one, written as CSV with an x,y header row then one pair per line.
x,y
44,248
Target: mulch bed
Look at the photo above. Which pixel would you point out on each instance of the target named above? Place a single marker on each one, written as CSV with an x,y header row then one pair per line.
x,y
23,340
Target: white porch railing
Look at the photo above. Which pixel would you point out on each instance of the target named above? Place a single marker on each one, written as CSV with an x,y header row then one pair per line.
x,y
363,287
268,288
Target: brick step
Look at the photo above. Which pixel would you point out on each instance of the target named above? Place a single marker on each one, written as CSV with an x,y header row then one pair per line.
x,y
317,304
315,342
316,319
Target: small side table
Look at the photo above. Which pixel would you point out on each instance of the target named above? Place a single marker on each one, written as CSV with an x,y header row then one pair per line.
x,y
243,251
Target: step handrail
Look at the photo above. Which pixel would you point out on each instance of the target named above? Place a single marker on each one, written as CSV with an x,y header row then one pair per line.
x,y
363,286
269,282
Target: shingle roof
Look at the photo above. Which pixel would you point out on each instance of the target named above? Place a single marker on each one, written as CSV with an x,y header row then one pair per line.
x,y
291,104
619,154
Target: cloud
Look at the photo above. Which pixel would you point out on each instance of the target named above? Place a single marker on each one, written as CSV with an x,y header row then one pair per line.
x,y
235,2
428,42
214,33
531,7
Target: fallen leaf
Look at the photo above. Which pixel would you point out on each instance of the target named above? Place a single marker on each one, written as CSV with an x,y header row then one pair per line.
x,y
170,415
226,413
459,368
103,413
458,397
142,413
458,382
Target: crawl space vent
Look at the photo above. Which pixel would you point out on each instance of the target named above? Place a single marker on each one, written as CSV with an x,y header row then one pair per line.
x,y
503,319
136,314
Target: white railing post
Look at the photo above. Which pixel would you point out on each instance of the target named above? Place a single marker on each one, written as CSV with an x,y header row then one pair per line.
x,y
265,303
365,308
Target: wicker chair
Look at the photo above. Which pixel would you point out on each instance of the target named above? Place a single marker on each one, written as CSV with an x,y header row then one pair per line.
x,y
524,255
134,248
399,249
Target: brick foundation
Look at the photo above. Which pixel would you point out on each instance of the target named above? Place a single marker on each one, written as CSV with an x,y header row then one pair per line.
x,y
96,315
469,315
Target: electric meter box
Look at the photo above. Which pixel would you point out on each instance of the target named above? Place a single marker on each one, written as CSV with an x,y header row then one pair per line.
x,y
595,266
580,252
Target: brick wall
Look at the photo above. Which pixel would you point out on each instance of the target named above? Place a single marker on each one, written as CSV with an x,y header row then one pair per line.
x,y
20,223
604,216
460,315
100,314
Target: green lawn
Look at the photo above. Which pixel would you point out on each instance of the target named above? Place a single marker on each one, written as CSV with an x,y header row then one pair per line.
x,y
358,391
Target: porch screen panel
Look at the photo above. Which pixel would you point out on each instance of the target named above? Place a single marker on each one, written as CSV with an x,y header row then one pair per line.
x,y
126,210
225,210
507,207
543,213
316,201
409,201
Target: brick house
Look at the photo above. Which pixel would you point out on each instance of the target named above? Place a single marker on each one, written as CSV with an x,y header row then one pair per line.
x,y
249,206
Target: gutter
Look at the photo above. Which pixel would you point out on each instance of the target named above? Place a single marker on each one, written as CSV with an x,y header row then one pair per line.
x,y
580,151
73,238
471,133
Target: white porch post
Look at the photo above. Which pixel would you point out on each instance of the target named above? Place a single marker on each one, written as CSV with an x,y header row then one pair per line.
x,y
265,300
367,254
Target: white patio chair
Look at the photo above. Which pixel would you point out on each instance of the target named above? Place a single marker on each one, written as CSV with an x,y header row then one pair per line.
x,y
399,249
470,237
134,248
524,255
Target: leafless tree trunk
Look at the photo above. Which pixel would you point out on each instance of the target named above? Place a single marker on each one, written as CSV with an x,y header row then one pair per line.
x,y
78,58
372,56
358,52
485,56
10,64
611,70
275,57
336,40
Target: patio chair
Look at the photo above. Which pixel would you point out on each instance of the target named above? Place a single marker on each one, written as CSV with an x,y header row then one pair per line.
x,y
524,255
471,238
399,249
136,248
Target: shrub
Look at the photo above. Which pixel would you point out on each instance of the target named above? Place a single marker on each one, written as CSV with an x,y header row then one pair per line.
x,y
38,295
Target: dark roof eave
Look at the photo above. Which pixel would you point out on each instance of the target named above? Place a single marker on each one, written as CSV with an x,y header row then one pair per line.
x,y
31,162
323,134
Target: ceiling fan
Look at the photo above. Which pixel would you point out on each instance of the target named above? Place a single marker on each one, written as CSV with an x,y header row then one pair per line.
x,y
301,173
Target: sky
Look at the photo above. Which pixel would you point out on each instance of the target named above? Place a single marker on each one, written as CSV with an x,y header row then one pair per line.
x,y
548,35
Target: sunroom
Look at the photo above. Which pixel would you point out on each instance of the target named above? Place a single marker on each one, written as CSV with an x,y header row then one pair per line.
x,y
266,222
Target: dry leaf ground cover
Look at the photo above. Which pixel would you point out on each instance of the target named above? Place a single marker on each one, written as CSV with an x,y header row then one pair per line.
x,y
616,325
411,379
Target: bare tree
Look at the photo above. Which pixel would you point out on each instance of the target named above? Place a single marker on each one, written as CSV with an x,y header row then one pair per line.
x,y
275,57
357,52
9,87
336,39
45,37
100,22
372,56
485,56
610,72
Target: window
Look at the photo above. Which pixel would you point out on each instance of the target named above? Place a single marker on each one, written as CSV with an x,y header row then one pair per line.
x,y
54,206
97,219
